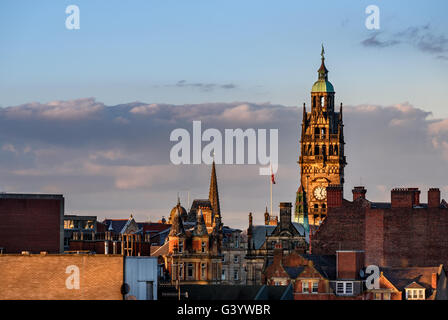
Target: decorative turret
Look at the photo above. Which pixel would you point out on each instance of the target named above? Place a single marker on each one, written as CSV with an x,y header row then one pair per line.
x,y
177,226
200,229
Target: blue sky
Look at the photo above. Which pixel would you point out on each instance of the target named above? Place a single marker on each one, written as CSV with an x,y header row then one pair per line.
x,y
266,50
74,127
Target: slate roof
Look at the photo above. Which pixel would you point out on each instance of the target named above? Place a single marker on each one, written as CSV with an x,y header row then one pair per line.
x,y
195,206
403,277
294,272
259,233
324,264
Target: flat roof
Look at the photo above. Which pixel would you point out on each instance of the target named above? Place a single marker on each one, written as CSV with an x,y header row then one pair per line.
x,y
44,196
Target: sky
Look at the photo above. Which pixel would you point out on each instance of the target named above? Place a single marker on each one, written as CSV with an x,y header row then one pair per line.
x,y
88,112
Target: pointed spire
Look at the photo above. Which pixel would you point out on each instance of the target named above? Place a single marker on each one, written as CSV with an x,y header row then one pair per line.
x,y
177,226
340,112
200,229
213,195
323,72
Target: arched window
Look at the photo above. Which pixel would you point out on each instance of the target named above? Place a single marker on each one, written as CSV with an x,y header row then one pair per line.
x,y
322,101
335,149
322,132
314,101
316,150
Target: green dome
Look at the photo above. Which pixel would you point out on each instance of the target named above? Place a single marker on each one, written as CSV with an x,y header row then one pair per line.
x,y
322,86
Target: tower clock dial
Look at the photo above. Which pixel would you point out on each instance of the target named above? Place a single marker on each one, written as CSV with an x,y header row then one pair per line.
x,y
320,193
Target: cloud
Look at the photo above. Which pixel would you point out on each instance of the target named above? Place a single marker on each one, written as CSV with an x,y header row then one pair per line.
x,y
373,41
204,86
423,38
112,159
55,110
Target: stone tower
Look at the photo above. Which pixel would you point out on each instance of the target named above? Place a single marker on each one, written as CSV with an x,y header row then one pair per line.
x,y
322,159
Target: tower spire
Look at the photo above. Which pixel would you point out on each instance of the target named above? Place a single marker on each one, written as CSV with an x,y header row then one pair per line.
x,y
213,195
323,72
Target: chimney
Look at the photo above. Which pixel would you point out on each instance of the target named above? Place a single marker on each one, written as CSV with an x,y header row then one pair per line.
x,y
285,214
359,192
434,280
334,195
349,263
433,198
405,197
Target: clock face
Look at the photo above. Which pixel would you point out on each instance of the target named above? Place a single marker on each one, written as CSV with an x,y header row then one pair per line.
x,y
320,193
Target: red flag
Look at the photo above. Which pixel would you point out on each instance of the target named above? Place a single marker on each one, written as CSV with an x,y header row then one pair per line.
x,y
272,176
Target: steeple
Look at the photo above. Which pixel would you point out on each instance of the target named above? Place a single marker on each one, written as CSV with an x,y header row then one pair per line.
x,y
323,72
322,84
213,195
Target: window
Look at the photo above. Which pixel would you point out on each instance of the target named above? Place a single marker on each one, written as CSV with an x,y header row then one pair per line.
x,y
181,246
190,270
344,287
305,287
203,270
223,274
316,150
203,246
181,270
415,294
315,288
377,296
237,242
236,274
235,259
386,296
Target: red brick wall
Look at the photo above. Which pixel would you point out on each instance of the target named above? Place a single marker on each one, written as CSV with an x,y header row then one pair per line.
x,y
349,263
395,237
342,229
31,225
374,232
43,277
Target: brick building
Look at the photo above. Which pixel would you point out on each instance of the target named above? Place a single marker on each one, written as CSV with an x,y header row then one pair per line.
x,y
402,233
412,283
52,276
31,222
77,277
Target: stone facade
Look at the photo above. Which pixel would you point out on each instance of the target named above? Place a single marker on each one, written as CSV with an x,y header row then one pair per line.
x,y
322,158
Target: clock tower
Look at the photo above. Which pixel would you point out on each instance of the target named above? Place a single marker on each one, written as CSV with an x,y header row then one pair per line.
x,y
322,158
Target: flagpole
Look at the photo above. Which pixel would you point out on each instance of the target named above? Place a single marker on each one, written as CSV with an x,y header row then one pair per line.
x,y
270,179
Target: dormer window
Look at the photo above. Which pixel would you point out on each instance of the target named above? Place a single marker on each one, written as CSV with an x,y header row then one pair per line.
x,y
415,294
344,288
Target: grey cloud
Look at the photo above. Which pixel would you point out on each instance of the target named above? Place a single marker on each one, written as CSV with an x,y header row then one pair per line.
x,y
205,86
111,167
422,38
373,41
